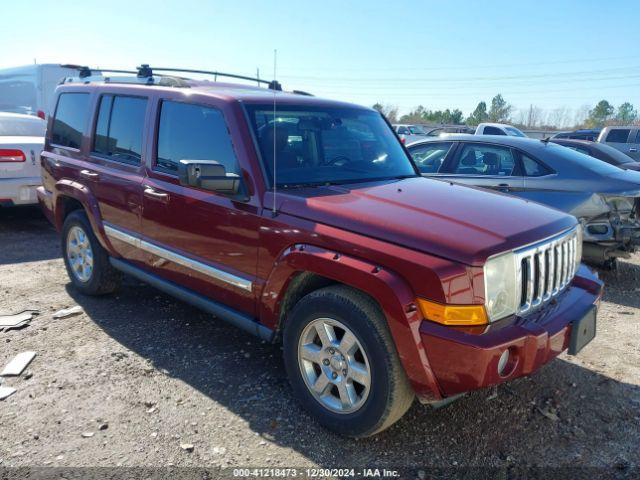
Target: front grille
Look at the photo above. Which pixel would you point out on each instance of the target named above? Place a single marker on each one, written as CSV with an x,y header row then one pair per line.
x,y
545,269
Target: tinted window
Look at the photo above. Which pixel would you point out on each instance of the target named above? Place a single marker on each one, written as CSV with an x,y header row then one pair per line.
x,y
532,168
193,132
70,119
403,130
579,149
120,126
492,131
638,137
484,159
618,135
429,157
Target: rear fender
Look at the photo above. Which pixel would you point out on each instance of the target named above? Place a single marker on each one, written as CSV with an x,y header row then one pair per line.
x,y
66,188
393,294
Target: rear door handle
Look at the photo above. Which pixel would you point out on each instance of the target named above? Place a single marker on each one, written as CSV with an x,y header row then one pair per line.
x,y
504,187
89,174
149,192
633,150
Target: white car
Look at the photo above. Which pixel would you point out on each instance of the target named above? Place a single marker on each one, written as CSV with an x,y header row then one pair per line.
x,y
21,142
498,129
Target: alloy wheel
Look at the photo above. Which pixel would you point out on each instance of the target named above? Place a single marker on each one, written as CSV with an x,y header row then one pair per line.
x,y
334,365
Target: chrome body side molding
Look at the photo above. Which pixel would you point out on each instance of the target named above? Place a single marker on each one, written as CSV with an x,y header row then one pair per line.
x,y
179,259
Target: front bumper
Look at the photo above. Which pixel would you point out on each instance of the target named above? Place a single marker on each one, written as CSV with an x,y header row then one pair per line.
x,y
464,359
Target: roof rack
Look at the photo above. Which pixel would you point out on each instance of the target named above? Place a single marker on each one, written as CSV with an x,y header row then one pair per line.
x,y
145,70
144,74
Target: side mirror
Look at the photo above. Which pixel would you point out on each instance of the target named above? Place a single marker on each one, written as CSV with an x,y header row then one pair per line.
x,y
208,175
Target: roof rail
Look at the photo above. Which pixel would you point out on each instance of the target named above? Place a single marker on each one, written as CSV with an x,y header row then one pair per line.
x,y
145,73
145,70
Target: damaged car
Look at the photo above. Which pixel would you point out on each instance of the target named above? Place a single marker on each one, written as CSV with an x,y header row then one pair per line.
x,y
603,197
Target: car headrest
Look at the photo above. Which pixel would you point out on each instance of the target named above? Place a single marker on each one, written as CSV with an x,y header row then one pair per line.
x,y
490,159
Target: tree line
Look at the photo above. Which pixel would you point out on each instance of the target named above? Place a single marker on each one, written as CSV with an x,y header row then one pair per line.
x,y
501,111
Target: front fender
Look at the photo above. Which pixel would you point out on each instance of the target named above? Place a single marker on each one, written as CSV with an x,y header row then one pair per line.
x,y
393,294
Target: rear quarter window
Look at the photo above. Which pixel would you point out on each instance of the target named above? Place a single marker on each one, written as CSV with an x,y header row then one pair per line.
x,y
70,119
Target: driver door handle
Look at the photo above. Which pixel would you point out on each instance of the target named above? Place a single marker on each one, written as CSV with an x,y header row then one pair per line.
x,y
504,187
88,174
153,194
633,150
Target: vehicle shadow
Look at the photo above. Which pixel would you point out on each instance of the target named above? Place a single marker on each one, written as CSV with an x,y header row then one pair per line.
x,y
622,285
562,415
26,236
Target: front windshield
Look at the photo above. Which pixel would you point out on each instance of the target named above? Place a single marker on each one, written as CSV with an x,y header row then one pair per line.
x,y
514,132
417,130
327,145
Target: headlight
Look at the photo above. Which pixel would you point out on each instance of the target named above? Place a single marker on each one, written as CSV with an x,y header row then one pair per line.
x,y
500,285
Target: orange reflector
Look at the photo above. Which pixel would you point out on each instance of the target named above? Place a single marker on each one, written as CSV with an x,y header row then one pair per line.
x,y
453,314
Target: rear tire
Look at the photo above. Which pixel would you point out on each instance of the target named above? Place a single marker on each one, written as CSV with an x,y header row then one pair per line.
x,y
351,380
86,261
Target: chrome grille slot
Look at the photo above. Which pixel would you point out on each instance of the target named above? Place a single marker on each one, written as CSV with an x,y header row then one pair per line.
x,y
545,269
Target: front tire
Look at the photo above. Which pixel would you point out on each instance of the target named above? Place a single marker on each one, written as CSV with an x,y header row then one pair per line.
x,y
342,363
86,261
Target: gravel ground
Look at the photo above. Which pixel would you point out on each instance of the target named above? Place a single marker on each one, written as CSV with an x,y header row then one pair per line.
x,y
139,378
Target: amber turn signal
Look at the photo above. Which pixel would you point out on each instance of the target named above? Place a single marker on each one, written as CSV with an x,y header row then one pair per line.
x,y
459,315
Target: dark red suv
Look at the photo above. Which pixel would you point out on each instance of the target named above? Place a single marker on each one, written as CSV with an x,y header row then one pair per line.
x,y
305,221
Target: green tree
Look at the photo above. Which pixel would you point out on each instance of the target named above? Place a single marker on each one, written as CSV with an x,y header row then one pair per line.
x,y
417,115
479,115
599,115
389,111
626,114
500,111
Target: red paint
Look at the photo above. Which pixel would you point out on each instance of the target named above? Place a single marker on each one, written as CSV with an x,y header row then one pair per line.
x,y
426,239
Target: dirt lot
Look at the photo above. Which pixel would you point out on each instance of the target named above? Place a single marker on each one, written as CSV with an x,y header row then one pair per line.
x,y
140,374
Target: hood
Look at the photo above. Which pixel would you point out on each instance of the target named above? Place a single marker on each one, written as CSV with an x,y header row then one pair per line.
x,y
461,223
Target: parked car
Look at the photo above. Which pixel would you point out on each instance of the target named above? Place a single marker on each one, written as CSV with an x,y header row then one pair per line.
x,y
382,285
21,141
604,198
625,139
498,129
584,134
409,133
600,151
29,89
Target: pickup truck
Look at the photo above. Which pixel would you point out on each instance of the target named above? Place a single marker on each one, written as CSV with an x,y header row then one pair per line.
x,y
305,221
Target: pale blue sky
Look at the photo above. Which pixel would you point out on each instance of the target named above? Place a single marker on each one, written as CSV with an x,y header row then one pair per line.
x,y
436,53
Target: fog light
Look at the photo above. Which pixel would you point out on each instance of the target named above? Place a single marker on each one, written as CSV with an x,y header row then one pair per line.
x,y
502,363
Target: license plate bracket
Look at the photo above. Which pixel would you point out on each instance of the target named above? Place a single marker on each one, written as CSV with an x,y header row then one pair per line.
x,y
583,331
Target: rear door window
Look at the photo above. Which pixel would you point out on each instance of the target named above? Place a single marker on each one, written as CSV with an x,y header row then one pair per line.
x,y
483,159
193,132
70,120
618,135
430,156
120,128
